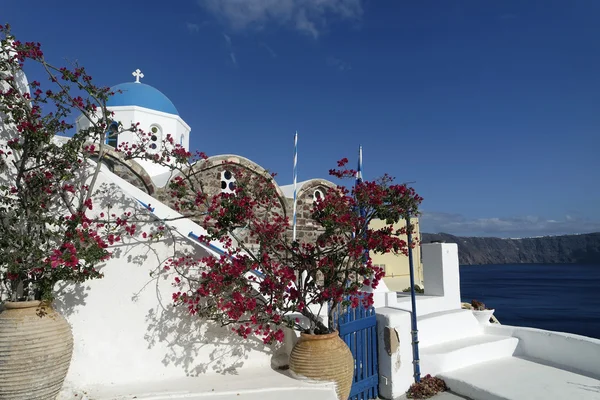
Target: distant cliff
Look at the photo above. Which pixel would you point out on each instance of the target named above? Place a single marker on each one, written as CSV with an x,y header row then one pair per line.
x,y
576,249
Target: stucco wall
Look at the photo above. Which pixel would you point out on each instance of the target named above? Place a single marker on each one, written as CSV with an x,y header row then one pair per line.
x,y
563,350
397,265
124,326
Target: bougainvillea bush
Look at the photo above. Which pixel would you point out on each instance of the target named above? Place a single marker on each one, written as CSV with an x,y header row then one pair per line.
x,y
428,387
51,226
265,279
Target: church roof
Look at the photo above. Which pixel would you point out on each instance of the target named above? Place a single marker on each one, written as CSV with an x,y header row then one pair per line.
x,y
141,95
288,190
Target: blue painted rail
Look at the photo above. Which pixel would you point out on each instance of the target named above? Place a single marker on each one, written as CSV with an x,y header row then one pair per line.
x,y
194,236
221,252
146,206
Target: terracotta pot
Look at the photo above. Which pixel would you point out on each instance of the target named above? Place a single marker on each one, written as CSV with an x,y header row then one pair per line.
x,y
35,351
324,358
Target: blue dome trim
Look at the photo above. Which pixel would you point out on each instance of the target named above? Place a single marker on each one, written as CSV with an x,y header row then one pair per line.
x,y
141,95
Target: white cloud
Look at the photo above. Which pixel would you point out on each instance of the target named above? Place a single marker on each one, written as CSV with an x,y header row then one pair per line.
x,y
307,16
456,224
339,64
269,49
230,48
192,28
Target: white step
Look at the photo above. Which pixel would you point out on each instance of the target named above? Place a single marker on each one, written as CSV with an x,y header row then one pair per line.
x,y
464,352
518,379
447,326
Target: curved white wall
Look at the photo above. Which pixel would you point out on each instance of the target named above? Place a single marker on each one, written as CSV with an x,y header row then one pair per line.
x,y
577,353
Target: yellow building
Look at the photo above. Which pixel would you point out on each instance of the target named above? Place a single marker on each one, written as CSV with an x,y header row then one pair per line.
x,y
397,275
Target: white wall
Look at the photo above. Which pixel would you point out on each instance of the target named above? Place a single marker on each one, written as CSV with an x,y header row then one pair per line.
x,y
441,278
441,272
168,124
124,327
17,73
442,294
577,353
395,367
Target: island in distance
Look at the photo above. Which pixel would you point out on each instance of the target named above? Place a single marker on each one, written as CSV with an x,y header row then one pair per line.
x,y
566,249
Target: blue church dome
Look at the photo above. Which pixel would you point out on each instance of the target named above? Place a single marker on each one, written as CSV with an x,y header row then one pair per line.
x,y
141,95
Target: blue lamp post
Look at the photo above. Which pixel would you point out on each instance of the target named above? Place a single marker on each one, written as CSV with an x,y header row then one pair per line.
x,y
414,331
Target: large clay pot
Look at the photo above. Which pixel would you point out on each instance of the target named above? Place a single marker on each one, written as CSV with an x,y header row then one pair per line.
x,y
324,358
35,351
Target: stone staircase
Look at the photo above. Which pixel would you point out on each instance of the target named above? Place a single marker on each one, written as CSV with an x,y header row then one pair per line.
x,y
451,340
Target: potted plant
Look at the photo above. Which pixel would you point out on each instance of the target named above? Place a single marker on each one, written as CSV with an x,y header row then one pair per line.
x,y
51,229
427,387
480,312
265,280
418,289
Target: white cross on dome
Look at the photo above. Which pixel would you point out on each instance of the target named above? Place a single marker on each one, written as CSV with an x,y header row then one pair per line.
x,y
138,74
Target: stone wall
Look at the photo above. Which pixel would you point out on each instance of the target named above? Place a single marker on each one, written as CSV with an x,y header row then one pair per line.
x,y
307,229
216,174
129,170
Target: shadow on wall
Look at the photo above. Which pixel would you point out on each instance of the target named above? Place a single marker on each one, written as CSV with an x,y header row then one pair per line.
x,y
186,336
130,311
70,297
196,345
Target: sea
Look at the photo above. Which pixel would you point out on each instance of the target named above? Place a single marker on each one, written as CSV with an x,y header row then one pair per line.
x,y
557,297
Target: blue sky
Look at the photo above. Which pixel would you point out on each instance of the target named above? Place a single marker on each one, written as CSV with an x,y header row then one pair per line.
x,y
493,108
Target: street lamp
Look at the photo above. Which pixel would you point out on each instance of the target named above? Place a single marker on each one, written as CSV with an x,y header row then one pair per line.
x,y
413,299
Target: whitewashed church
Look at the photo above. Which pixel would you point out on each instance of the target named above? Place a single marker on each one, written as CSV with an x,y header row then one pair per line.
x,y
138,102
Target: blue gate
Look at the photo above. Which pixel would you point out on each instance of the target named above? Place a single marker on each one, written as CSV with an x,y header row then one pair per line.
x,y
358,328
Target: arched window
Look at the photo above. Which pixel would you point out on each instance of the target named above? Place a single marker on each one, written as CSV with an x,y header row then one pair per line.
x,y
227,182
111,134
155,138
181,139
318,195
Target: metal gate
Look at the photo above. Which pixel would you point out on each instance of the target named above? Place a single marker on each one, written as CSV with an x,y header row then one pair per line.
x,y
358,328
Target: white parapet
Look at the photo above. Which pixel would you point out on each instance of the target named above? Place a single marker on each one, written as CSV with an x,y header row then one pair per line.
x,y
395,352
442,281
441,273
567,351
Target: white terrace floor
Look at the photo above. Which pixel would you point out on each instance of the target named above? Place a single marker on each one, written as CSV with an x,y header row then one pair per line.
x,y
259,384
509,378
514,378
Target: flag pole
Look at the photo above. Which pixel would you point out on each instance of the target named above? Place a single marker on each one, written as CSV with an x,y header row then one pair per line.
x,y
295,172
304,274
361,211
359,169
